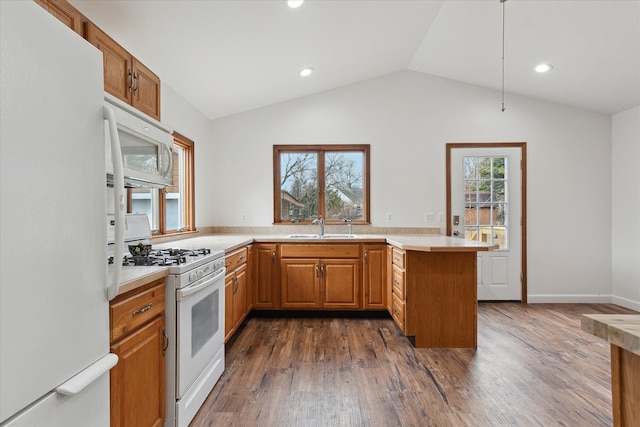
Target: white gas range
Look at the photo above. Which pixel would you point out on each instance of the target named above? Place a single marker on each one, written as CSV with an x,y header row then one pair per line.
x,y
194,313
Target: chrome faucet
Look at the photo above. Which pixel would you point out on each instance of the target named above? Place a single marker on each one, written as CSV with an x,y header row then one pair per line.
x,y
348,222
320,222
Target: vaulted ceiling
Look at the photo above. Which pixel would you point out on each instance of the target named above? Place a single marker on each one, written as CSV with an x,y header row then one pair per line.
x,y
230,56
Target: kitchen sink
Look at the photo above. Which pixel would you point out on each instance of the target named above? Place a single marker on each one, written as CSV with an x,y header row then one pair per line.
x,y
317,236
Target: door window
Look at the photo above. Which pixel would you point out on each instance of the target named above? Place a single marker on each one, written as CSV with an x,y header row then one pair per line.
x,y
486,201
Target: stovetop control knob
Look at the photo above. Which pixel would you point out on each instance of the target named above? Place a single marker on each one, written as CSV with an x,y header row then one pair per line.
x,y
192,276
200,273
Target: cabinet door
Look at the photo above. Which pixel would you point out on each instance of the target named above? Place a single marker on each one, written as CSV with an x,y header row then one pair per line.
x,y
341,288
240,296
228,307
138,380
65,13
389,280
375,276
266,274
300,285
118,69
250,277
146,90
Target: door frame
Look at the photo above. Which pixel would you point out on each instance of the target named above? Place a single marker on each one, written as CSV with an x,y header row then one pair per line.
x,y
523,171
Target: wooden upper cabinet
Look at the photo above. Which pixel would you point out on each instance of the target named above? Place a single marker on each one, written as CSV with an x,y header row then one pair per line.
x,y
125,77
65,13
146,90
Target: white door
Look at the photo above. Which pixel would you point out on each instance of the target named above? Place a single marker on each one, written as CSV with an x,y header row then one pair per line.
x,y
486,205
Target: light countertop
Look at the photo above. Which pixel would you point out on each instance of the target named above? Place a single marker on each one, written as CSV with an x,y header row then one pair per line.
x,y
414,242
133,277
622,330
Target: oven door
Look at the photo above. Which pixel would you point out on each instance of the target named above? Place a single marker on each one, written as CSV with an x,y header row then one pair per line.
x,y
200,328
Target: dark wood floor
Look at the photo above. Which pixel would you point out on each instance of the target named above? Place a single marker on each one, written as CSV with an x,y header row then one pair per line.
x,y
534,366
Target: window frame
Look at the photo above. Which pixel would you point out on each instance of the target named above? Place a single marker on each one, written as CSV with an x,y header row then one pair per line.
x,y
321,150
188,195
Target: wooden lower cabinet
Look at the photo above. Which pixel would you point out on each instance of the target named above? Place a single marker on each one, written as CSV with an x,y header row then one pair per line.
x,y
374,277
138,338
320,283
236,290
318,276
265,276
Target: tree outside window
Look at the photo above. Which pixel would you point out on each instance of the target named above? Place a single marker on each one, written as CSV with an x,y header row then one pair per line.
x,y
327,180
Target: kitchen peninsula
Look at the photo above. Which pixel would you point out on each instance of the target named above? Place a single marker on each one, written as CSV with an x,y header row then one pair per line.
x,y
427,282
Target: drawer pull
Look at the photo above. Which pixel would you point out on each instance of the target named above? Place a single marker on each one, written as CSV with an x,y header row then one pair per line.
x,y
396,282
241,258
227,264
143,309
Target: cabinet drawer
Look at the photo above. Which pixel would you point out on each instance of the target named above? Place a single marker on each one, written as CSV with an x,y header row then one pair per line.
x,y
398,312
398,282
236,259
398,258
320,251
132,312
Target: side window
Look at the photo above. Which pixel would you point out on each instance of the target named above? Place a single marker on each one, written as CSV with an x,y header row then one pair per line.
x,y
171,209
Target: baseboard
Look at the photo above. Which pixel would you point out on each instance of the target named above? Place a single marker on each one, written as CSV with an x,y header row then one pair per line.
x,y
626,302
584,299
570,299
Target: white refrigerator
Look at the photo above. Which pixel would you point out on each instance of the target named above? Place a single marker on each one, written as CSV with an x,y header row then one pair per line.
x,y
54,320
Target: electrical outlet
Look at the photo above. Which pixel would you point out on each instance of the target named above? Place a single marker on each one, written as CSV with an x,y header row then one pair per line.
x,y
388,216
244,217
428,217
440,217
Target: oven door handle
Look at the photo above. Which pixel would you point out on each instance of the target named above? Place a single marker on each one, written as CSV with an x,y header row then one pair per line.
x,y
183,293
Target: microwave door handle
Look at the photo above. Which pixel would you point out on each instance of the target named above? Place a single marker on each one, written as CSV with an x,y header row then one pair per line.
x,y
118,202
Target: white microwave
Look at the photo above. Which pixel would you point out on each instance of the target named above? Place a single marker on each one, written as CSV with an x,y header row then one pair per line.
x,y
146,148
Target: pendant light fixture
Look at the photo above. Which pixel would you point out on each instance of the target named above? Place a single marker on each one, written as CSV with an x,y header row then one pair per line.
x,y
503,2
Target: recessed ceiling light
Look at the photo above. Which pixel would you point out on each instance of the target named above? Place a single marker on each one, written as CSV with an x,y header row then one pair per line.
x,y
306,71
543,68
294,3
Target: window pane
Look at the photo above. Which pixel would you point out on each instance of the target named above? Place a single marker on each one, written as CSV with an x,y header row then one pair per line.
x,y
470,167
498,191
343,185
145,201
471,233
298,186
174,195
471,214
470,188
484,167
499,167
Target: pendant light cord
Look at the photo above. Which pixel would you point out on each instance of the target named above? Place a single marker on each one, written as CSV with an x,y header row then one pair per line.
x,y
503,2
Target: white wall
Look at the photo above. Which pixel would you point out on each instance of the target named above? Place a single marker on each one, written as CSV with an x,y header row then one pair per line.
x,y
407,118
177,114
625,227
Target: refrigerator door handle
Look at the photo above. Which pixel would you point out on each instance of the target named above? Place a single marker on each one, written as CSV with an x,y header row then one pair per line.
x,y
119,202
88,375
